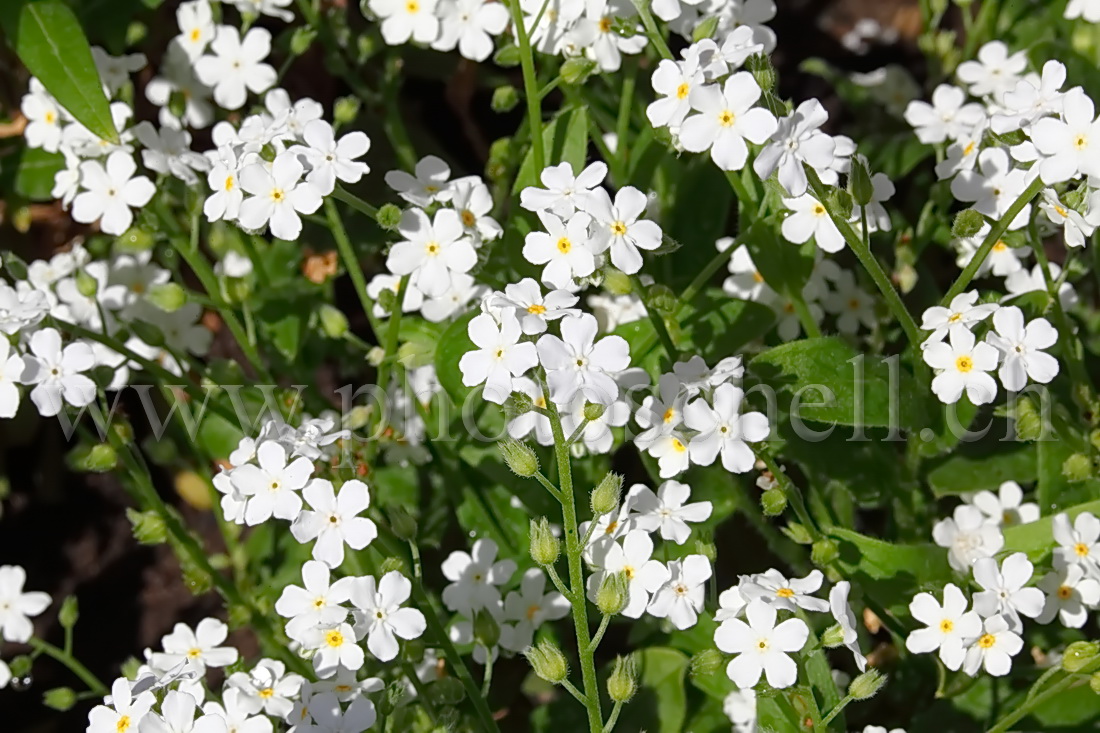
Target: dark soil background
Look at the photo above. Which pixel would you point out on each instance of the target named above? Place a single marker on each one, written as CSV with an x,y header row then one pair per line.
x,y
70,531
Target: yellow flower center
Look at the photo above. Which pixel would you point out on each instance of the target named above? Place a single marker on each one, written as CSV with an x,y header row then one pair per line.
x,y
1061,211
412,7
1064,592
266,692
194,652
987,641
1081,549
969,149
611,527
123,724
432,248
277,195
628,571
536,309
1000,246
785,593
678,446
670,415
533,609
726,118
682,90
618,228
50,118
468,218
605,25
964,363
334,638
819,210
947,626
196,34
757,277
1081,142
564,245
230,182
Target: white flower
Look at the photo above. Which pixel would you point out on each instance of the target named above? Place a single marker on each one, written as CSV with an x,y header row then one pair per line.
x,y
380,616
947,118
428,185
846,619
949,627
962,365
530,607
225,201
618,227
316,604
1079,543
475,578
1021,348
563,248
237,66
724,429
1089,10
330,159
633,558
1070,146
178,716
499,355
696,377
1006,508
473,201
995,188
44,118
335,648
1003,589
761,646
432,251
576,362
196,23
109,193
1070,593
852,305
1076,229
727,118
334,520
1031,99
666,510
17,607
168,151
532,308
995,72
745,281
178,78
278,196
266,687
1025,281
774,589
470,25
328,717
272,486
405,19
564,192
5,674
993,649
58,373
237,712
962,155
740,707
680,598
962,311
199,648
797,140
967,537
1002,260
673,82
809,218
13,369
124,714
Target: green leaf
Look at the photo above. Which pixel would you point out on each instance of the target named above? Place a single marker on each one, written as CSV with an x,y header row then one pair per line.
x,y
47,37
661,703
35,177
565,138
965,472
837,385
452,345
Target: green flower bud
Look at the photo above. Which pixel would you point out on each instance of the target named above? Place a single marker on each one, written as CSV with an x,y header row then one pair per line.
x,y
706,549
706,663
86,285
123,430
623,682
605,497
762,71
358,418
505,98
824,552
616,282
662,299
833,637
859,181
177,104
577,69
507,55
545,547
613,593
169,297
391,564
773,502
402,523
59,698
98,458
239,616
69,613
593,410
1079,654
1094,682
867,684
1077,467
1028,421
521,459
547,661
389,217
395,694
135,240
967,223
500,159
148,527
345,110
333,321
20,666
705,29
301,40
376,355
486,630
449,690
797,533
387,301
197,580
840,200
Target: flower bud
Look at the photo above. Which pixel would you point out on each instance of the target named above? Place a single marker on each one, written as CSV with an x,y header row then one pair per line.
x,y
86,285
762,71
486,629
706,549
1079,654
547,661
616,282
148,527
1028,421
20,666
623,682
773,502
867,684
345,110
662,299
545,547
301,40
577,69
605,497
521,459
833,637
377,354
797,533
449,690
507,55
98,458
59,698
500,159
967,223
706,663
333,321
69,613
859,181
505,99
705,29
613,593
390,564
1077,467
593,410
402,523
135,239
824,552
169,297
387,301
388,217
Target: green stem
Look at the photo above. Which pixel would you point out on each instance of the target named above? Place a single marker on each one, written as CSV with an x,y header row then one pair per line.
x,y
792,492
392,331
487,679
651,30
530,87
557,581
548,485
66,658
614,717
622,123
658,322
998,229
595,642
342,194
837,710
347,254
805,317
1009,720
